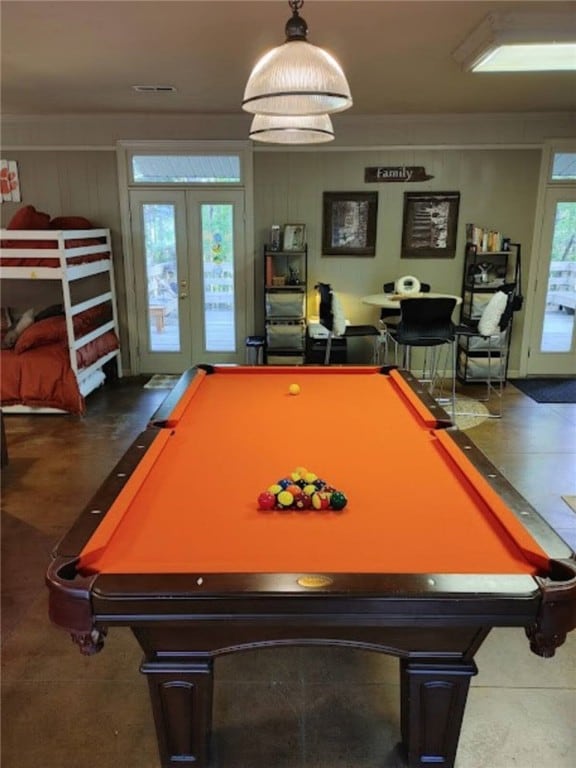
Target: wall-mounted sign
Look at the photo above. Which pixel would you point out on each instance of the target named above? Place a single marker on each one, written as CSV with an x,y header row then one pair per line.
x,y
397,173
9,182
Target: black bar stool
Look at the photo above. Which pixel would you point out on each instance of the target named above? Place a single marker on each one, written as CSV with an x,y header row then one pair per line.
x,y
428,323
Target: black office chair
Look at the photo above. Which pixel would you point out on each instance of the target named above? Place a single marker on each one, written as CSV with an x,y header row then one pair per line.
x,y
327,320
428,323
389,319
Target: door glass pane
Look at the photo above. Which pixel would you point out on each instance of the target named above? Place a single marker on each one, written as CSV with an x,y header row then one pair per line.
x,y
186,169
218,276
161,276
558,324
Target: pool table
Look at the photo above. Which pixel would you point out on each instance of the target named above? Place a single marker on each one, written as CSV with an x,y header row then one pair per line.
x,y
432,550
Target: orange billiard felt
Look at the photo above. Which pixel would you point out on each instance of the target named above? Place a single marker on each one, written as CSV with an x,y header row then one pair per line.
x,y
416,504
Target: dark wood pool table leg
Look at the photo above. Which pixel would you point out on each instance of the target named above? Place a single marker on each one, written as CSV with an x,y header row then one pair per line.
x,y
181,694
432,707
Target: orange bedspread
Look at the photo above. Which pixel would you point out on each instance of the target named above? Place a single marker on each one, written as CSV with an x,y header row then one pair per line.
x,y
40,378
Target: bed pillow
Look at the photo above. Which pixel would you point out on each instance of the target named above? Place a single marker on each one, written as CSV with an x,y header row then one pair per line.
x,y
5,319
13,334
71,222
51,311
52,330
29,218
5,324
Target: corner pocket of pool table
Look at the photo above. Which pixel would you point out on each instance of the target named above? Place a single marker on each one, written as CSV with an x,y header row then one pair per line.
x,y
557,613
69,604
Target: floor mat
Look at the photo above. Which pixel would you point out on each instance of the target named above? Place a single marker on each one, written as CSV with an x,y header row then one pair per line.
x,y
161,381
548,390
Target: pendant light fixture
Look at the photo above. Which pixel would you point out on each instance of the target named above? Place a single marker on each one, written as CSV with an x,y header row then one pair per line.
x,y
292,129
297,78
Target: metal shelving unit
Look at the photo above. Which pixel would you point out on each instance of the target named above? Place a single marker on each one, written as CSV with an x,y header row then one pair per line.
x,y
485,272
285,290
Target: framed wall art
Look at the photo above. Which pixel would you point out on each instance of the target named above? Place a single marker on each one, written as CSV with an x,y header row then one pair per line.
x,y
294,237
349,223
429,225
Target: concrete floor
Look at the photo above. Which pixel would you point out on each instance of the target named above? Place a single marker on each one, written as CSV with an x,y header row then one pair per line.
x,y
280,708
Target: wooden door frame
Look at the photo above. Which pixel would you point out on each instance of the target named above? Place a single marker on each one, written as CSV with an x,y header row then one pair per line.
x,y
550,147
123,151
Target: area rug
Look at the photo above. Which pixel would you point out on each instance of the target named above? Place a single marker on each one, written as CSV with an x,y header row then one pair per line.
x,y
161,381
571,501
469,413
548,390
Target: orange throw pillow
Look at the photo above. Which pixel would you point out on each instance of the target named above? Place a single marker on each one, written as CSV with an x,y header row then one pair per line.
x,y
52,330
71,222
29,218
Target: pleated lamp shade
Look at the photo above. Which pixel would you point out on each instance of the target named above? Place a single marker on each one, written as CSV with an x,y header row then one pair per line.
x,y
297,78
292,129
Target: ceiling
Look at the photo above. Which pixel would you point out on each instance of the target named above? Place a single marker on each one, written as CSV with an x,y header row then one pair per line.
x,y
83,57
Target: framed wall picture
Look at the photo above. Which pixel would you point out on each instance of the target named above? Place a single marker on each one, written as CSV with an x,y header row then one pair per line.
x,y
294,238
349,223
429,225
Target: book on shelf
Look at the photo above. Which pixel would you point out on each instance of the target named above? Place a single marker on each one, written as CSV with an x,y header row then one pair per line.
x,y
269,270
487,240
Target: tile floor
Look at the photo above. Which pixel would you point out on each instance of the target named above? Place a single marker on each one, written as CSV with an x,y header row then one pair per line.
x,y
279,708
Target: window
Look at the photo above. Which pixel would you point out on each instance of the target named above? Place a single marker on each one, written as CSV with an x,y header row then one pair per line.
x,y
218,265
185,169
564,166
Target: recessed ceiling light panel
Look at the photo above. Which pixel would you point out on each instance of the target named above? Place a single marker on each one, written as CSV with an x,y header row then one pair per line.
x,y
520,42
531,57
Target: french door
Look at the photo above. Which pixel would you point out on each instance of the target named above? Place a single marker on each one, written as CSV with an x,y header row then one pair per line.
x,y
189,265
552,348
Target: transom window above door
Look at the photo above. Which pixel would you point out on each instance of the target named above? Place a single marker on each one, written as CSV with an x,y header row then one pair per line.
x,y
187,169
563,166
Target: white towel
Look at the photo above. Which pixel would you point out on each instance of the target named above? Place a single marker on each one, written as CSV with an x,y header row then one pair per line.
x,y
317,331
489,323
339,321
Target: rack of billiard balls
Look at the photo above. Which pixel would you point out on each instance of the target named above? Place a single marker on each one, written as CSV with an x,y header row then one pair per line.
x,y
301,491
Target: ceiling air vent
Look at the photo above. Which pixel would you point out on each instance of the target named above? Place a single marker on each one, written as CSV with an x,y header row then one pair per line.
x,y
154,88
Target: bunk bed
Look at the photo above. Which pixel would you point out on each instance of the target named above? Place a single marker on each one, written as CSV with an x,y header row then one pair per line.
x,y
61,356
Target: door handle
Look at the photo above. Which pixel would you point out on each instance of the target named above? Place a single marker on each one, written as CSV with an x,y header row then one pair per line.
x,y
183,296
